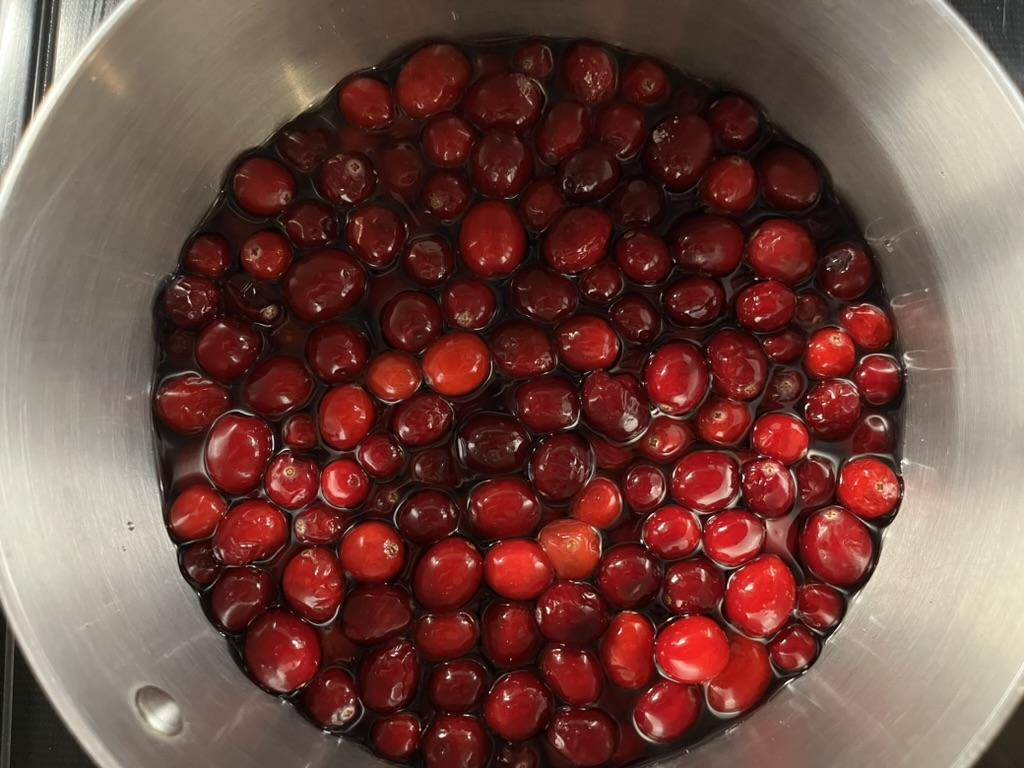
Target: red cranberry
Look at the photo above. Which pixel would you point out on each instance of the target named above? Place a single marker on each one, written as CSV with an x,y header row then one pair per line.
x,y
643,257
693,586
562,132
346,415
561,465
878,379
396,737
534,59
542,295
367,102
310,223
573,547
468,304
457,686
666,439
290,481
644,487
573,674
761,596
422,419
868,487
608,457
598,504
781,436
238,450
455,740
811,310
621,129
768,488
457,364
577,240
583,738
393,376
344,484
666,711
277,386
628,577
427,516
571,612
492,240
869,326
518,706
816,481
794,649
787,346
323,285
411,321
745,681
765,306
832,409
372,552
734,537
739,366
602,283
446,195
672,532
263,187
501,165
590,73
282,653
587,343
819,606
638,203
503,508
706,244
447,140
676,377
443,636
706,481
589,174
517,569
494,444
376,612
448,574
509,101
695,302
540,204
313,584
645,83
266,255
198,563
627,650
389,676
381,455
830,354
332,699
723,422
873,434
729,185
847,271
780,249
191,302
547,404
376,234
337,353
188,404
693,649
636,320
318,525
208,255
679,151
836,547
401,169
509,634
304,145
347,178
429,261
432,80
239,596
789,180
735,122
196,513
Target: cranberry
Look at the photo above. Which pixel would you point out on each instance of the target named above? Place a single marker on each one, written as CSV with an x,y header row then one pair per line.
x,y
376,612
645,83
422,419
509,101
768,488
561,465
562,132
869,326
636,320
643,257
621,129
310,223
608,457
290,481
786,346
376,235
832,409
589,174
367,102
739,367
816,481
571,612
442,636
722,422
427,516
429,261
584,738
517,569
672,532
573,548
492,240
873,434
878,379
706,244
639,203
836,547
239,596
468,304
627,650
457,364
346,415
666,439
347,178
868,487
676,377
847,271
729,185
598,504
518,706
282,653
318,525
304,145
577,240
780,249
344,484
509,636
432,80
761,596
744,682
573,674
819,606
208,255
198,563
734,537
706,481
389,676
693,586
262,187
503,508
381,455
277,386
735,122
542,295
455,740
547,404
411,321
830,354
695,302
191,302
501,165
188,404
393,376
811,309
196,513
679,151
793,649
590,73
313,584
628,577
447,140
238,450
789,180
602,283
644,487
587,342
396,737
332,699
534,59
448,574
337,353
401,169
457,686
540,204
435,466
765,306
693,649
266,255
446,195
372,552
781,436
323,285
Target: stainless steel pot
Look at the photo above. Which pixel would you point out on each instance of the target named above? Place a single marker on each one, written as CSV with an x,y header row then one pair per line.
x,y
924,136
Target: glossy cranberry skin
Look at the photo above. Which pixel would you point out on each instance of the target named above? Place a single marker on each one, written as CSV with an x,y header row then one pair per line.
x,y
811,309
722,422
572,673
735,122
422,419
868,487
666,439
577,240
492,240
765,306
768,488
337,353
602,283
262,187
446,195
541,203
692,586
380,455
878,379
468,304
455,740
671,532
627,650
396,737
509,101
643,256
344,484
816,481
561,465
310,223
615,406
447,140
781,436
794,649
707,244
734,537
830,354
584,738
746,679
761,596
198,563
789,180
676,377
621,129
457,364
196,512
599,503
836,547
389,676
323,285
304,144
666,711
282,653
563,131
679,151
542,295
729,185
435,466
367,102
695,302
376,235
518,706
509,634
313,584
444,636
636,319
832,409
208,255
318,525
517,569
639,203
411,321
372,552
332,699
869,326
503,508
820,606
780,249
191,302
547,404
393,376
644,487
706,481
429,261
239,596
291,481
277,386
346,415
588,175
573,548
846,271
693,649
347,178
571,612
500,165
376,612
739,367
266,255
432,80
448,574
427,516
628,577
590,73
238,449
457,686
873,434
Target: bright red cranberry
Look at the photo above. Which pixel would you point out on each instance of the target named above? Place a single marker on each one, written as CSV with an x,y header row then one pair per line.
x,y
429,261
410,321
676,377
820,606
517,569
304,144
639,203
291,481
457,686
198,563
266,254
781,436
509,101
457,364
367,102
644,487
423,419
836,547
768,488
692,586
583,738
589,174
346,415
372,552
263,187
318,525
468,304
599,503
332,699
534,59
765,306
447,140
561,465
239,596
376,612
746,679
794,649
706,481
789,179
706,244
563,131
869,326
396,737
310,223
191,302
347,178
323,285
337,353
540,204
693,649
695,302
729,185
734,537
389,676
571,612
455,740
628,577
878,379
501,165
376,235
830,354
509,634
446,195
787,346
735,122
621,129
448,574
761,596
816,481
547,404
672,532
602,283
443,636
635,319
666,439
587,343
277,386
873,434
313,584
832,409
282,653
868,487
780,249
722,422
428,516
208,255
739,366
572,673
627,650
238,450
518,706
393,376
188,404
643,257
492,240
573,547
432,80
847,271
196,513
344,484
590,73
503,508
577,240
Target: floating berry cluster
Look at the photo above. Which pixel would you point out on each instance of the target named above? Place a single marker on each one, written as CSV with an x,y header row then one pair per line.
x,y
526,403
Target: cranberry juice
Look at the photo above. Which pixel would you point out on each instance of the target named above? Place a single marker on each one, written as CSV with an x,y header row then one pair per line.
x,y
526,403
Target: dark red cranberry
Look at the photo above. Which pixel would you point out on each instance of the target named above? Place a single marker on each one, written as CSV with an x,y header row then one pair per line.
x,y
304,145
443,636
457,364
503,508
196,512
518,706
448,574
227,348
583,738
562,132
238,450
645,82
628,578
318,525
869,326
811,309
457,686
198,563
666,439
832,409
692,586
561,465
590,73
188,404
734,537
396,737
577,240
878,379
794,649
693,649
765,306
672,532
679,151
509,101
332,699
447,140
323,285
780,249
571,612
509,634
638,203
643,257
729,185
376,612
572,546
411,321
735,122
291,481
393,376
313,584
666,711
847,271
873,434
636,319
401,169
820,606
548,404
541,203
522,350
676,377
337,353
266,254
277,386
768,488
429,261
208,255
608,457
534,59
787,346
789,179
262,187
644,487
836,547
239,596
739,367
492,241
706,481
282,653
722,422
468,304
602,283
427,516
493,444
346,415
573,674
432,80
389,676
455,740
542,295
435,466
706,244
587,343
376,234
761,596
191,302
784,389
816,481
310,223
367,102
347,178
589,174
746,679
446,195
621,129
695,302
501,165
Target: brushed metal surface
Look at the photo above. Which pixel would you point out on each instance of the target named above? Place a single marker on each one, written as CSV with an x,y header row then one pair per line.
x,y
923,135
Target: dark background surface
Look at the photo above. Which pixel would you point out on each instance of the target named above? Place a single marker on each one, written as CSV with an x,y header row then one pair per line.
x,y
31,734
